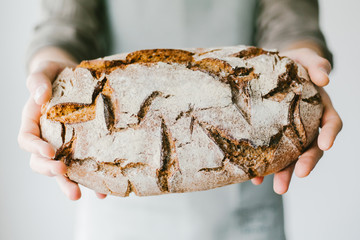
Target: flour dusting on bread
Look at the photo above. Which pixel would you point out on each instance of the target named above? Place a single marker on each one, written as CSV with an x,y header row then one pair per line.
x,y
162,121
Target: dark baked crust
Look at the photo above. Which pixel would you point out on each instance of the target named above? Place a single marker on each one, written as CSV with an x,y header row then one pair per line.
x,y
241,158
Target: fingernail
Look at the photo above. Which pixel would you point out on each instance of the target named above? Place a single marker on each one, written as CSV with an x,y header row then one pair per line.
x,y
39,92
325,146
53,155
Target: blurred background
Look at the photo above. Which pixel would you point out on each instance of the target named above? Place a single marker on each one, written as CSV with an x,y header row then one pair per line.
x,y
324,205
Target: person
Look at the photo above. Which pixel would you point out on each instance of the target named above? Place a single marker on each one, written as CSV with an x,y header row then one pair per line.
x,y
73,30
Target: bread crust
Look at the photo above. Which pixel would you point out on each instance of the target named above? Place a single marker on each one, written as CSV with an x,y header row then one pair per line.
x,y
178,120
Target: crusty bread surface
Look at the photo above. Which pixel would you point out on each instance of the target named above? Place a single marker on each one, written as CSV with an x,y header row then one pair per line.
x,y
178,120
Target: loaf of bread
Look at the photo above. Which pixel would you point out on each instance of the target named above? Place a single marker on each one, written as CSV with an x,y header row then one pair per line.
x,y
178,120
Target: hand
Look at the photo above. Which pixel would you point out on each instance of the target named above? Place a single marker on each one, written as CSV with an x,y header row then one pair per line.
x,y
331,124
39,82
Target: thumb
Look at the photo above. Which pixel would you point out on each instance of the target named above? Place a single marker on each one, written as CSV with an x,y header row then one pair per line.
x,y
317,66
39,81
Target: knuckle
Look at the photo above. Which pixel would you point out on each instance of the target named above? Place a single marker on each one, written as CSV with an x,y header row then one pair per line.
x,y
337,121
341,124
45,64
40,167
307,50
49,66
29,80
32,164
23,141
20,140
24,111
33,79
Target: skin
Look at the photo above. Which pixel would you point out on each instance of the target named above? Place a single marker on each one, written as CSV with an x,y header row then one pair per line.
x,y
310,55
48,62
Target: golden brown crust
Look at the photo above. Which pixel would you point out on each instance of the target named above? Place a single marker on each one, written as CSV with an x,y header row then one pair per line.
x,y
242,158
252,52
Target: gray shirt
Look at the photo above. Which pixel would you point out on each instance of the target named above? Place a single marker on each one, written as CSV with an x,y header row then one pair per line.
x,y
92,28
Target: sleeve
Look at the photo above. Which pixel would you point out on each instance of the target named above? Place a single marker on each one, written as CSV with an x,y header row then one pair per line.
x,y
78,26
280,23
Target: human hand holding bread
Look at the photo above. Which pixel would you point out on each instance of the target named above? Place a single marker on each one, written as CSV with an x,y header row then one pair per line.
x,y
43,152
43,69
331,124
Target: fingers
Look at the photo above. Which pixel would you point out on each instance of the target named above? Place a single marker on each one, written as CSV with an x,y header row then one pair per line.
x,y
31,111
257,180
304,165
40,162
308,160
29,134
329,131
282,179
101,195
318,67
57,169
69,188
331,123
46,166
39,83
40,87
31,143
40,80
